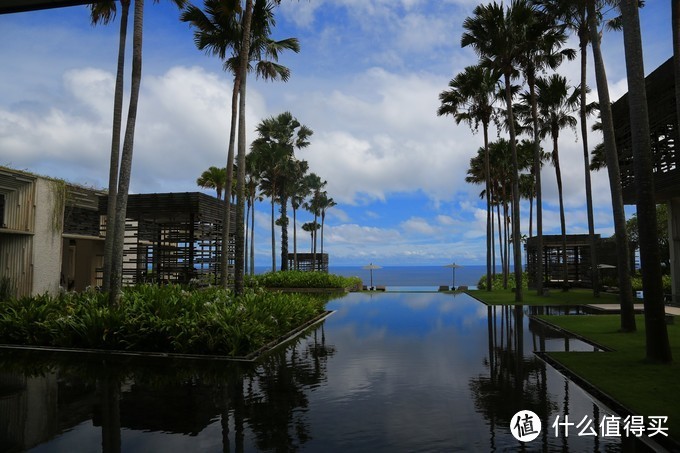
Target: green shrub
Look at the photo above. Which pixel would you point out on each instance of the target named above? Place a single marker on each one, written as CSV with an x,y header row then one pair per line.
x,y
301,279
497,281
158,319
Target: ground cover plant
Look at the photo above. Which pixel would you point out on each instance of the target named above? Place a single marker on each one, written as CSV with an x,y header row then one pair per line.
x,y
554,297
302,279
645,388
158,319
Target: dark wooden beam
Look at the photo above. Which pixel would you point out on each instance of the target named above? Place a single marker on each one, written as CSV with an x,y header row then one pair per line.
x,y
18,6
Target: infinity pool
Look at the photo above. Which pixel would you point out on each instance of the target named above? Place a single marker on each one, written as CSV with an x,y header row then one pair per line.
x,y
394,372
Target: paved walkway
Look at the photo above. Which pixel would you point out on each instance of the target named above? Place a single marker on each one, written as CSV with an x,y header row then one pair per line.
x,y
675,311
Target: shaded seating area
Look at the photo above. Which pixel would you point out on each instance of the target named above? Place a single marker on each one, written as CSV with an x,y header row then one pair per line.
x,y
173,238
309,262
579,266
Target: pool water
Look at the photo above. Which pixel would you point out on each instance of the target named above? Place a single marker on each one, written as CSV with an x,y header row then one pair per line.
x,y
386,372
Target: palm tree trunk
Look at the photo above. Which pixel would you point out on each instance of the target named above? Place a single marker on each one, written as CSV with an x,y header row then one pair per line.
x,y
563,223
539,190
501,244
252,239
675,19
295,259
489,221
244,54
586,159
658,347
245,264
115,147
622,246
226,221
515,192
284,229
273,238
126,159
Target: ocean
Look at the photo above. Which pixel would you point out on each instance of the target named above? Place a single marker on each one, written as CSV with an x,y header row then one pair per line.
x,y
409,276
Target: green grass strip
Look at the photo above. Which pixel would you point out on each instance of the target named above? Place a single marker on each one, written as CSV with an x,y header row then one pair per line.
x,y
554,297
643,387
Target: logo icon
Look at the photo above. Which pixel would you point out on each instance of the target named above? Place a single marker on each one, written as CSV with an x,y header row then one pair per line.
x,y
525,426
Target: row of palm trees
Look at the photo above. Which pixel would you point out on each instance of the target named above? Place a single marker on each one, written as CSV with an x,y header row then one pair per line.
x,y
523,40
239,34
273,171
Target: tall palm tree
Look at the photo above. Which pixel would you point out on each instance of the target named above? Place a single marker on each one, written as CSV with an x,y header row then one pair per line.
x,y
278,137
555,105
311,227
315,184
213,178
498,36
299,191
546,52
219,29
104,12
325,204
611,155
657,345
573,15
470,98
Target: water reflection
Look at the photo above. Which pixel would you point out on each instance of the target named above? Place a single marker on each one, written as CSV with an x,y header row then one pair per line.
x,y
386,372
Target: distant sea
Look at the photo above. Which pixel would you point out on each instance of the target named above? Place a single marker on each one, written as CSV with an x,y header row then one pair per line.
x,y
429,276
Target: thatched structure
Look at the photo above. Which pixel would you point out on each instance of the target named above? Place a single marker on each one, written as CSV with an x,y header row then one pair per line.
x,y
306,262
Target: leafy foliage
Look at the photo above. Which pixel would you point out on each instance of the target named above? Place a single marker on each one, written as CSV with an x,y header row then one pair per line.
x,y
302,279
158,319
497,281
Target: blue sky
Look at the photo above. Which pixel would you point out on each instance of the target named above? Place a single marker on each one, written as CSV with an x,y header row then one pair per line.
x,y
366,82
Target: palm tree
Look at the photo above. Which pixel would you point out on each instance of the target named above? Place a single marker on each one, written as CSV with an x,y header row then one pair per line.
x,y
498,36
213,178
555,105
223,27
299,192
572,14
546,52
315,185
278,138
657,345
311,227
104,12
612,160
470,98
324,205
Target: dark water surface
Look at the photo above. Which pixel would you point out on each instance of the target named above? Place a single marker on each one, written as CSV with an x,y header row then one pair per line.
x,y
395,372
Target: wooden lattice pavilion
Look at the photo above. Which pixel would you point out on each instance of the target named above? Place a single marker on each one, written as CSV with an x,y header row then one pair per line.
x,y
579,266
305,262
173,238
663,124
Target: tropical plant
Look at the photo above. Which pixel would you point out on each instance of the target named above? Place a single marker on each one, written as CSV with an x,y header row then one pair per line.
x,y
546,52
612,159
104,12
324,205
213,178
657,344
313,205
278,137
555,105
226,25
572,14
470,98
498,36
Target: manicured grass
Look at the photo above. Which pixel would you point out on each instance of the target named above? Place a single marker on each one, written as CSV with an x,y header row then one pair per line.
x,y
554,297
302,279
644,388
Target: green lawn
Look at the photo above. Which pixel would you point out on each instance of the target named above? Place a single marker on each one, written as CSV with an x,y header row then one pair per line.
x,y
554,297
623,374
643,387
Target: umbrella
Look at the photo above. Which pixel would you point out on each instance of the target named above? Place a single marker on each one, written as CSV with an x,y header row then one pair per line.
x,y
453,267
371,267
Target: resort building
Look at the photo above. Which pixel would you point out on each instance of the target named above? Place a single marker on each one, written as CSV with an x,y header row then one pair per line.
x,y
52,236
